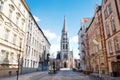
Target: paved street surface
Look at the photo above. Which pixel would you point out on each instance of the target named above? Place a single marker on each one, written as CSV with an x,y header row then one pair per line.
x,y
65,74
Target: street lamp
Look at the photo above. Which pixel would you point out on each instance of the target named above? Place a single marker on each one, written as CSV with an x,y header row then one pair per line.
x,y
19,60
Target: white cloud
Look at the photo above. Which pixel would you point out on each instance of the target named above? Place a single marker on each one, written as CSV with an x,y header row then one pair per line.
x,y
36,18
53,49
54,40
50,35
74,39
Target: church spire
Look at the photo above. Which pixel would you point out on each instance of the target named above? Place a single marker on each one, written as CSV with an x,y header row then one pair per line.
x,y
64,25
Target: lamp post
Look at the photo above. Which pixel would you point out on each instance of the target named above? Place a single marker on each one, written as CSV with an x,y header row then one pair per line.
x,y
19,60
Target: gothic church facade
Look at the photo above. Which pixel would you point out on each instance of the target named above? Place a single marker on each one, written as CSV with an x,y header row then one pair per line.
x,y
65,56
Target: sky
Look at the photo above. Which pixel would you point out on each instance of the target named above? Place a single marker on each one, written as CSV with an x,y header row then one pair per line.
x,y
49,15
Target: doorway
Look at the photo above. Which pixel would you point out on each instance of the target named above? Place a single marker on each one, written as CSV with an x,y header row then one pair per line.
x,y
116,68
65,65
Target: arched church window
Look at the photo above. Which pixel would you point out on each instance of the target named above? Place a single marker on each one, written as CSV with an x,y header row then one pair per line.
x,y
63,46
66,46
65,57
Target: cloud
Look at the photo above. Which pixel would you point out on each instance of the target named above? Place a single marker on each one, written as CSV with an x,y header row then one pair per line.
x,y
53,49
54,40
36,18
50,35
74,39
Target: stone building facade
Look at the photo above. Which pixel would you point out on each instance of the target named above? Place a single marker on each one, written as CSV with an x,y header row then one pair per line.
x,y
13,22
111,23
95,44
81,42
65,55
37,47
23,45
102,50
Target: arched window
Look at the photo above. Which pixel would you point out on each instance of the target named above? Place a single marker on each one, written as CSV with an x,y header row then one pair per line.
x,y
66,46
63,46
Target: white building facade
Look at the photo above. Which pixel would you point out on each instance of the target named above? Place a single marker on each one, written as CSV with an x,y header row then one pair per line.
x,y
37,47
13,21
22,42
81,42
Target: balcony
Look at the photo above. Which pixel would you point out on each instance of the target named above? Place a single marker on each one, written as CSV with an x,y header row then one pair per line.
x,y
83,51
82,42
82,34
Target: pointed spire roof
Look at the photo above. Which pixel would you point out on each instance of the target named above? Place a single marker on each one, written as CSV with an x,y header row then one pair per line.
x,y
64,25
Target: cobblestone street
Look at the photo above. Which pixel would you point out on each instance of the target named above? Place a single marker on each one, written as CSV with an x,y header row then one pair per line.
x,y
65,74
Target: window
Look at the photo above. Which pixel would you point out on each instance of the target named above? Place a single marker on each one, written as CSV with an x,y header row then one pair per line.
x,y
117,44
105,1
110,9
26,50
1,5
10,14
33,41
25,62
29,50
66,46
28,63
30,39
105,13
12,56
32,51
19,5
63,46
31,63
113,24
17,20
23,23
65,57
6,34
110,47
107,30
14,38
20,42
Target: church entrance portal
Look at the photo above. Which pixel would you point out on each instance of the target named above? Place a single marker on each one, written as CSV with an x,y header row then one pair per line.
x,y
65,65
